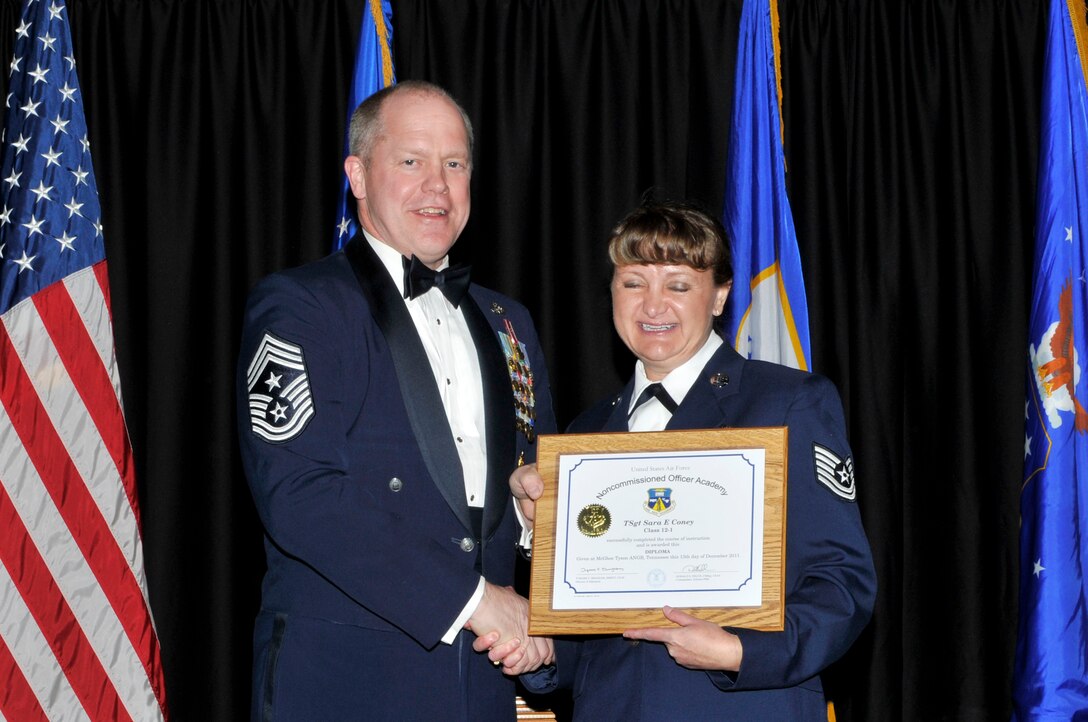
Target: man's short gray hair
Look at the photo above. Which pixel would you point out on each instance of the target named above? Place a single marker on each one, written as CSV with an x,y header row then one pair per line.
x,y
366,121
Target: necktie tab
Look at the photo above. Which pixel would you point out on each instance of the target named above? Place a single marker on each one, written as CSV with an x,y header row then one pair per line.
x,y
654,390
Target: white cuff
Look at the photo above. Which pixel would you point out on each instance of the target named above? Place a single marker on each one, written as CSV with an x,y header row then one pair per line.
x,y
526,540
468,611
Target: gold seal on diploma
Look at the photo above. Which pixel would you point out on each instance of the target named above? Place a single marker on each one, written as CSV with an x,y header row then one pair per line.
x,y
594,520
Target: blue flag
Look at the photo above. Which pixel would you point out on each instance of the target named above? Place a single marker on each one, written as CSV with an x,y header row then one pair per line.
x,y
1050,679
373,71
768,314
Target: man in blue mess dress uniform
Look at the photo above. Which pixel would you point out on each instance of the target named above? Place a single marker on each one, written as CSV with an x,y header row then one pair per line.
x,y
383,402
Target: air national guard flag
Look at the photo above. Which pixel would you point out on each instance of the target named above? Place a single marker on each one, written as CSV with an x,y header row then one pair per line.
x,y
77,640
767,313
373,71
1051,669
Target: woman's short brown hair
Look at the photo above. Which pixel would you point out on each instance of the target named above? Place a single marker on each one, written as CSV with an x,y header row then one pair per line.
x,y
669,232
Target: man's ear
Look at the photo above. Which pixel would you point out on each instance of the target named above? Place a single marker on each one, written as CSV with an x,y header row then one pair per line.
x,y
353,169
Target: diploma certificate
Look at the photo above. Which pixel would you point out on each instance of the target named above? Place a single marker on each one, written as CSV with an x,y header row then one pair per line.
x,y
633,522
656,528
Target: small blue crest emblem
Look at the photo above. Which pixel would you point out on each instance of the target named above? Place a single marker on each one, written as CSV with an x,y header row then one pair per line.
x,y
659,501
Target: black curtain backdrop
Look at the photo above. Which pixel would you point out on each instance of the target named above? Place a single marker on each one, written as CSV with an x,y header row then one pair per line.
x,y
911,131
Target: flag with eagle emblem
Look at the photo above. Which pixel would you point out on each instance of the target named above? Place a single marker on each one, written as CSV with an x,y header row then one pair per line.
x,y
1051,668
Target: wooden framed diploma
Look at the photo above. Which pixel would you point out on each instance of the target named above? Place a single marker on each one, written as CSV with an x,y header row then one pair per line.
x,y
631,522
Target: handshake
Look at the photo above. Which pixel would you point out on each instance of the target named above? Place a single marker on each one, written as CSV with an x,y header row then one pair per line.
x,y
501,623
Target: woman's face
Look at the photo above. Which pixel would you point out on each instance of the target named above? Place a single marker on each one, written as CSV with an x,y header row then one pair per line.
x,y
664,313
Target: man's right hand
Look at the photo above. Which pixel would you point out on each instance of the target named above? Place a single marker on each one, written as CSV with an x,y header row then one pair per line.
x,y
506,613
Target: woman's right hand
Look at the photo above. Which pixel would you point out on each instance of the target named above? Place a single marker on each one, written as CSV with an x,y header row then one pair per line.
x,y
526,485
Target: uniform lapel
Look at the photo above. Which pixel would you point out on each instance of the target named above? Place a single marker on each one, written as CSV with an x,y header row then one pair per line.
x,y
706,404
417,386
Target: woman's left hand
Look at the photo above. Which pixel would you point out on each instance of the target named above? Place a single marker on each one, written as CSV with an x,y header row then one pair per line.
x,y
696,644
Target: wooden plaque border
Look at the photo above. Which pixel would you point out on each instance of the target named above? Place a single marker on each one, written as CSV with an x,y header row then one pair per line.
x,y
770,616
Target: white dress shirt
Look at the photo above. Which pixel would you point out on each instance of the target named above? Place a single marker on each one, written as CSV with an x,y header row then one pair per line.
x,y
652,415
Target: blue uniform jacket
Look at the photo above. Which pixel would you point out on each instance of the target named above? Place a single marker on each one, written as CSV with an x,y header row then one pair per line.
x,y
830,581
370,544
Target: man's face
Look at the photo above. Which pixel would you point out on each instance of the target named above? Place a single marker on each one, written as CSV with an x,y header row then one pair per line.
x,y
414,196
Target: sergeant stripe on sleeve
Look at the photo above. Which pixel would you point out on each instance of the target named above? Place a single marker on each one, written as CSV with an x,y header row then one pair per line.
x,y
834,472
280,405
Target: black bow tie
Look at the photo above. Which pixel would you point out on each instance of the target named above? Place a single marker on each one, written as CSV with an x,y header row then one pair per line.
x,y
452,282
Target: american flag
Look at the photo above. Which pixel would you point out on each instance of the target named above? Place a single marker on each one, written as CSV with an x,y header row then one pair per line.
x,y
76,636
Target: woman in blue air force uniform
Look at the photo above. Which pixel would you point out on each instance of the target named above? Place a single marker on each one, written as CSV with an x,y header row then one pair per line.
x,y
672,274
